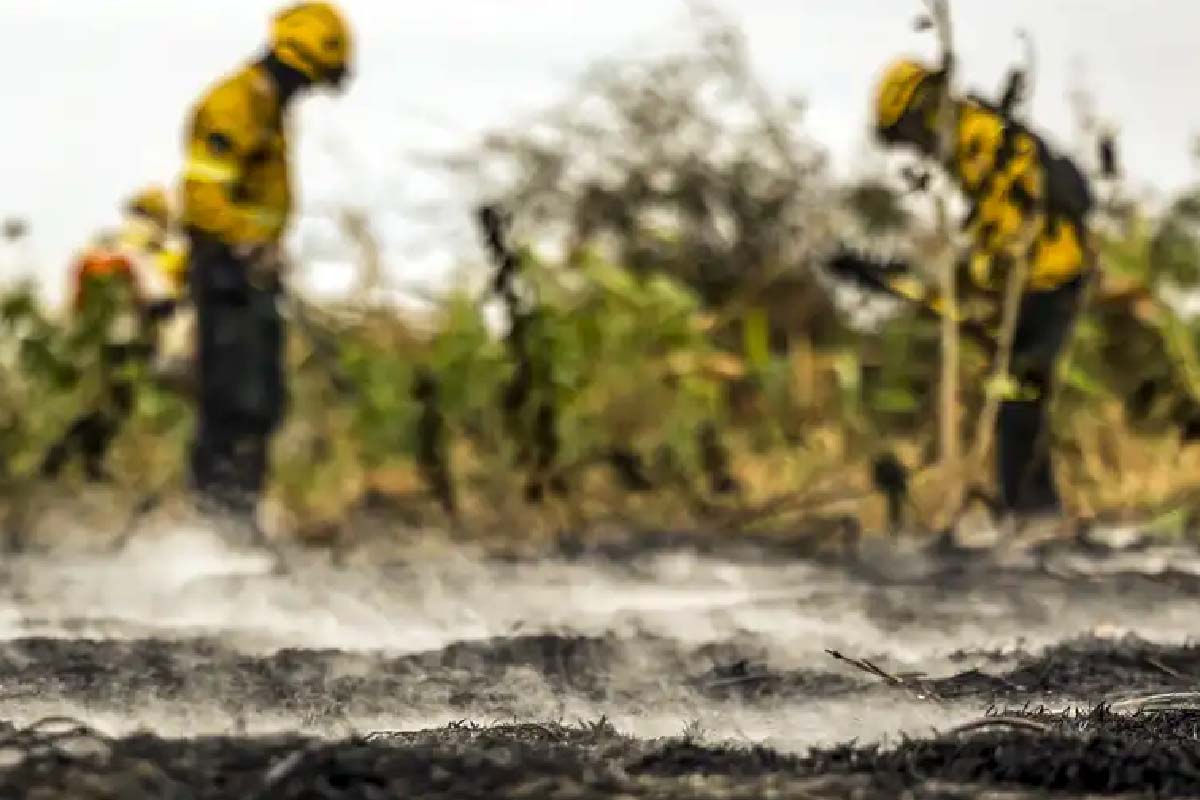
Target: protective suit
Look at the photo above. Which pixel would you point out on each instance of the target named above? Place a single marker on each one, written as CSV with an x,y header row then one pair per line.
x,y
126,288
1026,204
237,201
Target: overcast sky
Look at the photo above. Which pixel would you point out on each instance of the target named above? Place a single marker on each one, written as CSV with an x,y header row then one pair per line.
x,y
97,90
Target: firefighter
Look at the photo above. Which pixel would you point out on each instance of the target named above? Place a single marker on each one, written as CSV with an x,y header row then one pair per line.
x,y
1026,205
237,200
159,256
126,284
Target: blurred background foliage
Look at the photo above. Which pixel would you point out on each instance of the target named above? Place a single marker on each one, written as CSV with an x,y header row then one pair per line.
x,y
675,212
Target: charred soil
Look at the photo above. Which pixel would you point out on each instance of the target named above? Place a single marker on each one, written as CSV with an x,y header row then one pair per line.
x,y
1096,753
1086,715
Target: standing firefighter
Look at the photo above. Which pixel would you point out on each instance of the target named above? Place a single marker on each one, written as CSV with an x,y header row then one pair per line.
x,y
1028,209
237,203
127,286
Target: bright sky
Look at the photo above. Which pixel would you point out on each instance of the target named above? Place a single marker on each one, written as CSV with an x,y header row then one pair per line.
x,y
97,91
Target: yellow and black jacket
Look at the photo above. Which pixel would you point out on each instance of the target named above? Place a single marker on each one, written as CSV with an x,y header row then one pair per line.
x,y
1025,202
237,186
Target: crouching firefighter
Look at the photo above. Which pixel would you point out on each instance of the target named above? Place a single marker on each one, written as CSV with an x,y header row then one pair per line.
x,y
126,293
1027,206
237,200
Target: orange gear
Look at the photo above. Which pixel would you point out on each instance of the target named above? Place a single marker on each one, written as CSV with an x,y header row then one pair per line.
x,y
100,262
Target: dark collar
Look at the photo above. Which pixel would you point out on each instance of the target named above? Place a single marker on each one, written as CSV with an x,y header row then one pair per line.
x,y
288,80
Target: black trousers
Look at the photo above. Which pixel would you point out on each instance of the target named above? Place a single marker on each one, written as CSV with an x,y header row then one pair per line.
x,y
1023,465
241,390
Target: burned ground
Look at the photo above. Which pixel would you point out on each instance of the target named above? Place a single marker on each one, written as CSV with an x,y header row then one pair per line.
x,y
915,676
1094,753
488,675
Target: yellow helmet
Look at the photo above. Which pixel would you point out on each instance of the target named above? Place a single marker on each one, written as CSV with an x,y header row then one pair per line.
x,y
153,204
313,38
897,90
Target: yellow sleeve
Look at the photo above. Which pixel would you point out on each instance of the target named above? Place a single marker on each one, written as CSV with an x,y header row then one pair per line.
x,y
172,262
222,135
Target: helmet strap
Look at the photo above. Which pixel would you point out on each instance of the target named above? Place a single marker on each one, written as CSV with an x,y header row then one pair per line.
x,y
287,79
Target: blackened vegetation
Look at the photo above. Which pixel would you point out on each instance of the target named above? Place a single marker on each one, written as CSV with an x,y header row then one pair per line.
x,y
432,453
1110,165
890,478
1116,747
747,681
66,760
501,675
715,459
630,469
490,676
1086,668
530,389
1094,753
1076,671
460,761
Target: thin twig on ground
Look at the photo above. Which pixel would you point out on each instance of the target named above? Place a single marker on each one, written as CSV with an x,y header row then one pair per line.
x,y
867,667
1020,723
1163,668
